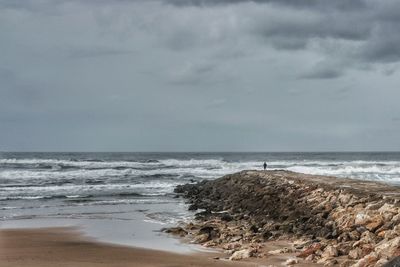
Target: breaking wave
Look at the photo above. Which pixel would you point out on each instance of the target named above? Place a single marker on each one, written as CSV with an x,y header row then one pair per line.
x,y
107,178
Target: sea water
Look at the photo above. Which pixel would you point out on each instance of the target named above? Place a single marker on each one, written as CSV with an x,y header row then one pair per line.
x,y
127,197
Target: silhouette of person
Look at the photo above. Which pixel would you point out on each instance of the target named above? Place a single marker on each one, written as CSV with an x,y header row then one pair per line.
x,y
265,165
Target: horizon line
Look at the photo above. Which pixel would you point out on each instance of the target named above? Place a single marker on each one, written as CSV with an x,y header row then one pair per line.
x,y
212,152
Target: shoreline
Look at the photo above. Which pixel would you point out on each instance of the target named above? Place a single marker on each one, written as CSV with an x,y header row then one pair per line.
x,y
44,247
129,225
68,246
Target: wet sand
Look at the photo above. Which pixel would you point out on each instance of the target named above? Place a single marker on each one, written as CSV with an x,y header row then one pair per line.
x,y
66,247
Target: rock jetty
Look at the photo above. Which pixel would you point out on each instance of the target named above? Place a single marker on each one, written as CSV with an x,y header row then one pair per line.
x,y
324,220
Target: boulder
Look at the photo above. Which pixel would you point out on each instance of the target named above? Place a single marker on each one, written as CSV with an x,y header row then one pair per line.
x,y
175,231
310,250
210,230
355,254
388,208
330,262
375,222
362,218
292,261
395,262
382,262
330,252
366,238
389,248
241,254
346,263
233,245
367,261
396,219
202,238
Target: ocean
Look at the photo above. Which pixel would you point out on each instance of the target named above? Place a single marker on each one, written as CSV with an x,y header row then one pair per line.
x,y
134,191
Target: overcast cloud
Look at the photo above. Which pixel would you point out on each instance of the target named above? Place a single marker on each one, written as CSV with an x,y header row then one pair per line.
x,y
199,75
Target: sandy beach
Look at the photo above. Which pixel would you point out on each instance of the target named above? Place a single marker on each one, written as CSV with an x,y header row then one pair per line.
x,y
66,247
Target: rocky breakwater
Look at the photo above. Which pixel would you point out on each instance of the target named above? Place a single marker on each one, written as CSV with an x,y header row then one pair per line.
x,y
323,220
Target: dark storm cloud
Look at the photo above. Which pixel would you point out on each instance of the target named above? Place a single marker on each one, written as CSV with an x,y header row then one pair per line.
x,y
383,46
39,7
323,74
295,30
357,36
338,4
369,27
315,4
320,4
305,26
203,70
326,69
288,25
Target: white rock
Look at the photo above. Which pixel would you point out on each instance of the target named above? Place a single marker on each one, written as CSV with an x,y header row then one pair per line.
x,y
291,261
362,218
240,254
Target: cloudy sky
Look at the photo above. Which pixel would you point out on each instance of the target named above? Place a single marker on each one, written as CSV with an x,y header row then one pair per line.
x,y
199,75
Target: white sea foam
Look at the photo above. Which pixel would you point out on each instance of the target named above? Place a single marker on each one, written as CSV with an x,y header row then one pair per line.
x,y
348,170
192,162
32,179
74,191
78,164
204,169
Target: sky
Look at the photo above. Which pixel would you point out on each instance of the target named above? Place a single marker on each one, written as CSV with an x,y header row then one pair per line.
x,y
199,75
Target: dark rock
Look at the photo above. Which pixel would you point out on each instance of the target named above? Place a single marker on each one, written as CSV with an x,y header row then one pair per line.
x,y
204,215
254,229
266,235
175,231
395,262
211,231
226,217
193,207
361,229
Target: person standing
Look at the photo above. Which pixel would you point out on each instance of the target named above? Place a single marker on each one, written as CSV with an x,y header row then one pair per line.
x,y
265,165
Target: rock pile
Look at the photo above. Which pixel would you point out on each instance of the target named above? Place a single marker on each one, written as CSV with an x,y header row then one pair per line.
x,y
328,220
